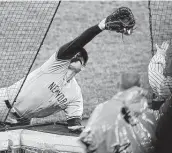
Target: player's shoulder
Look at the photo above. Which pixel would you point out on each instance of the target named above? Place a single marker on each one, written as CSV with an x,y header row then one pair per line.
x,y
54,57
54,63
75,85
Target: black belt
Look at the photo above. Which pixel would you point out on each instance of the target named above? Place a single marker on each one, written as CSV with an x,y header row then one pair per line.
x,y
21,121
157,104
9,106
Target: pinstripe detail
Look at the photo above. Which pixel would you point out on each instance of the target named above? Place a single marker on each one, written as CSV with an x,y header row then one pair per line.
x,y
161,86
58,65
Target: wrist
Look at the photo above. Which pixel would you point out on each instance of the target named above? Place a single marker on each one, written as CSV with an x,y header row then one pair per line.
x,y
101,25
74,122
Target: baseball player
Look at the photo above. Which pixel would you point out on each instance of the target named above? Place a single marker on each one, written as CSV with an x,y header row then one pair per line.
x,y
160,75
53,87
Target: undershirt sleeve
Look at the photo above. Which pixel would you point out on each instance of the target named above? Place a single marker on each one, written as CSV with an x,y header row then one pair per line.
x,y
68,50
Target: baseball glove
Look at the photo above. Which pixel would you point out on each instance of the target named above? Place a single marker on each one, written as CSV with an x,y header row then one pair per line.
x,y
121,20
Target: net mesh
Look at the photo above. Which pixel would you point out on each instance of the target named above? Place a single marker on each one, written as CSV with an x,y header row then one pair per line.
x,y
22,28
160,21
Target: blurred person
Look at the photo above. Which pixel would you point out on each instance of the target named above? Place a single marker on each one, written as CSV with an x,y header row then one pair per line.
x,y
160,74
53,87
125,124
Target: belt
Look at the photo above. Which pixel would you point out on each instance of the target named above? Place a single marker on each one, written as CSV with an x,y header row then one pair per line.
x,y
20,120
157,104
13,111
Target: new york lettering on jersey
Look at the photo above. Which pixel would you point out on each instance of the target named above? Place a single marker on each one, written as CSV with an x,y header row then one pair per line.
x,y
60,97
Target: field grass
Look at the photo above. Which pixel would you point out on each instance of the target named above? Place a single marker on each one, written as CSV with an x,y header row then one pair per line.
x,y
109,54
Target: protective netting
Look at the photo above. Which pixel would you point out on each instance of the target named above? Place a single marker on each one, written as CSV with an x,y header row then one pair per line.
x,y
160,22
23,28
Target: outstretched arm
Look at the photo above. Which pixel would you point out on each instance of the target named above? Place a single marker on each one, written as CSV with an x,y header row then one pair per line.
x,y
70,49
121,20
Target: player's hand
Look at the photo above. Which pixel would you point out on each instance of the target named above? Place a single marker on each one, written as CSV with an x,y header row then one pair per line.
x,y
163,49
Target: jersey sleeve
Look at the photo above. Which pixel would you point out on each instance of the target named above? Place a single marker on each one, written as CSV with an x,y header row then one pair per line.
x,y
161,85
75,108
68,50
